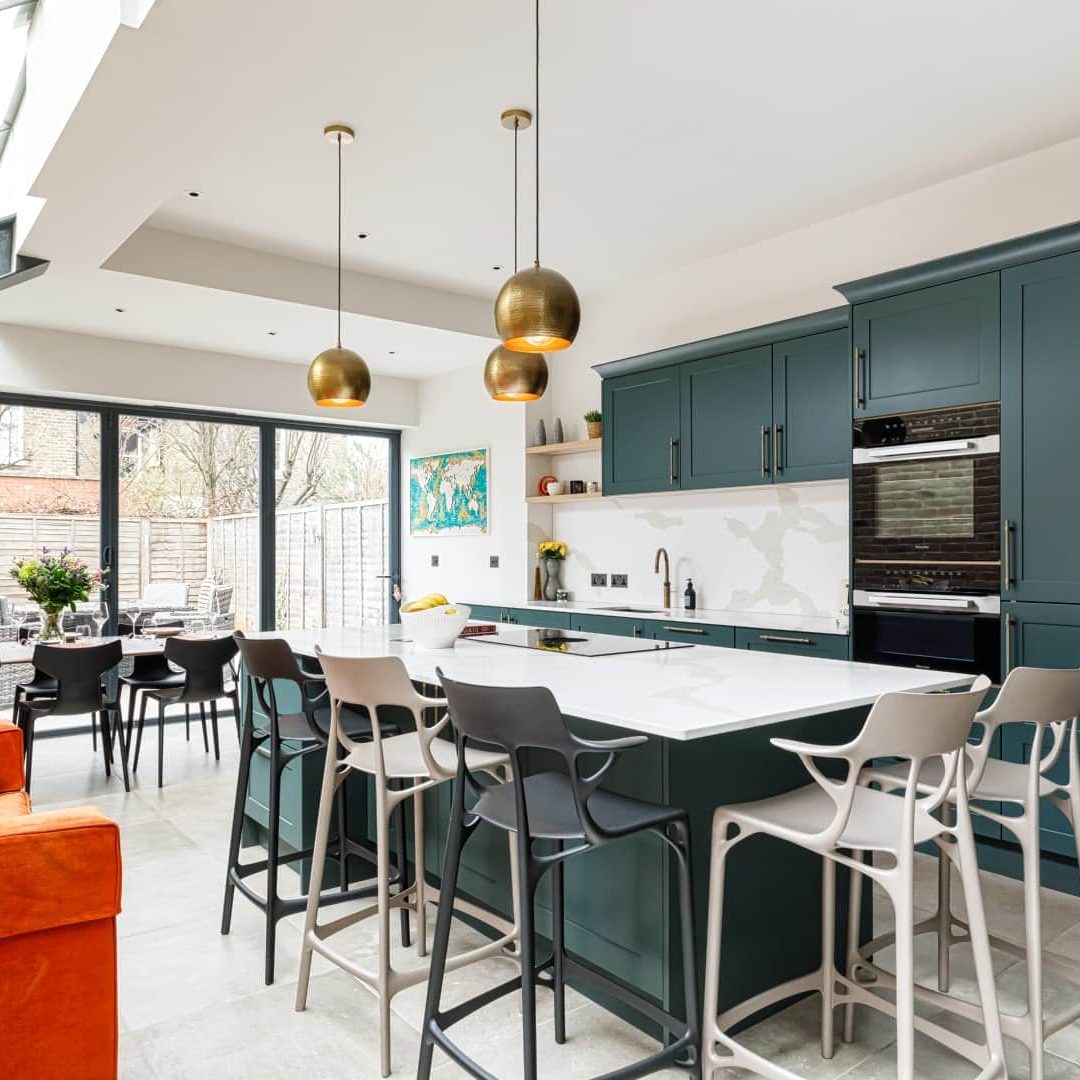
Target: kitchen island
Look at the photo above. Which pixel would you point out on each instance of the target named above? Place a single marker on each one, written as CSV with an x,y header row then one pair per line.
x,y
710,714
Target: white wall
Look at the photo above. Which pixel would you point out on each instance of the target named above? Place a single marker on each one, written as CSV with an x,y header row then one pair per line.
x,y
455,413
79,365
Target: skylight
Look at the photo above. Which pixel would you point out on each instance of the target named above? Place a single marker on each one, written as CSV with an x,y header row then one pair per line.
x,y
15,18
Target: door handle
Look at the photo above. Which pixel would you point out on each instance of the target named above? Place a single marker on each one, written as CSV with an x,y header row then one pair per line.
x,y
1006,555
673,473
777,447
764,450
857,380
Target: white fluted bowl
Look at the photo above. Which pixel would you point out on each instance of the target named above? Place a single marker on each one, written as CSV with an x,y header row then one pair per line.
x,y
433,628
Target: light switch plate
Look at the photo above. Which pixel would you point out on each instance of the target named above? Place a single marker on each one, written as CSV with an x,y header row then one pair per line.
x,y
434,560
619,581
493,562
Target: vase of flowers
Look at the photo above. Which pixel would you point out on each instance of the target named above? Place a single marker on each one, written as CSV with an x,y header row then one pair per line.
x,y
54,583
552,554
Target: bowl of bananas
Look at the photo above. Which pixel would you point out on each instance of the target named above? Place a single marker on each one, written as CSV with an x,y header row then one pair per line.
x,y
433,622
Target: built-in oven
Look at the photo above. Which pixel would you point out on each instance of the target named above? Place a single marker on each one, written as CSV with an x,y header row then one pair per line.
x,y
926,539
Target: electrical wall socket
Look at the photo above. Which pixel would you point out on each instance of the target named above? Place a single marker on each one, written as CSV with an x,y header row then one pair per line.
x,y
434,560
619,581
493,562
599,581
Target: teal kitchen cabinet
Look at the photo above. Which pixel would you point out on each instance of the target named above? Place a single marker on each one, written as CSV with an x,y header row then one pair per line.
x,y
823,646
1041,635
929,348
608,624
1040,436
694,633
554,620
487,613
726,435
641,432
811,434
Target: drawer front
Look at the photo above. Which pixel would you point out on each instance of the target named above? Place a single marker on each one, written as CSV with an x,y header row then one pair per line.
x,y
826,646
693,633
486,613
555,620
608,624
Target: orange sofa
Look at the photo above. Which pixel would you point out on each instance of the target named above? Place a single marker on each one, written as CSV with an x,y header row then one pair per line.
x,y
59,898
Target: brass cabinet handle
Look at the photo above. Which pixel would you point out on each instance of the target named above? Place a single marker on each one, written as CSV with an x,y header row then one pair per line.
x,y
1008,645
785,640
764,450
683,630
1006,555
857,381
673,474
777,445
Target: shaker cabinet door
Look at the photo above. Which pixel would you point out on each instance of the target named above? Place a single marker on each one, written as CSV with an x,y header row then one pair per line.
x,y
1040,436
927,349
727,419
641,432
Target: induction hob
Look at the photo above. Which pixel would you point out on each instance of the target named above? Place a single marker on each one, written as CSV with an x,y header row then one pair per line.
x,y
572,643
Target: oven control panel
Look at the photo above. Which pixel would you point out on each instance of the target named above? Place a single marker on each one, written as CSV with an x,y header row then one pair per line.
x,y
984,580
937,425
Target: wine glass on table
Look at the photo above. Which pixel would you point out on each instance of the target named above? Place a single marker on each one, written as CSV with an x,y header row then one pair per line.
x,y
134,610
100,616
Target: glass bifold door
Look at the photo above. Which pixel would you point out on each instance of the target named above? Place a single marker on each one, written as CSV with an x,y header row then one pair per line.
x,y
205,522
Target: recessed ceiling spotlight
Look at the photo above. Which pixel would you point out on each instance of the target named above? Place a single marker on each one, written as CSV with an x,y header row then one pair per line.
x,y
393,352
272,333
194,194
361,236
119,310
498,267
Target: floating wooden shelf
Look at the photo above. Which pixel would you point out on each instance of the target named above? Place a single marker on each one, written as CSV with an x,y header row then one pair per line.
x,y
564,498
578,446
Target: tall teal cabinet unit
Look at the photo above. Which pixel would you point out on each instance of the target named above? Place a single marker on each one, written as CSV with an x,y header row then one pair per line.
x,y
761,406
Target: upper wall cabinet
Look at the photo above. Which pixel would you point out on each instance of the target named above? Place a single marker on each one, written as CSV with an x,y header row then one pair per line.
x,y
1040,436
641,432
926,349
766,405
727,419
811,390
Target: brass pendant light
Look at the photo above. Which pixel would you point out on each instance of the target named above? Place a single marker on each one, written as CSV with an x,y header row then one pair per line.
x,y
339,378
537,310
515,376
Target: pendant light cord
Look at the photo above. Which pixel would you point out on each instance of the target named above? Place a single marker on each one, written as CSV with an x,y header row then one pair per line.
x,y
517,125
339,240
537,122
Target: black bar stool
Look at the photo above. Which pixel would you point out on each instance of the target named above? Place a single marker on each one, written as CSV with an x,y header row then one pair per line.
x,y
267,660
77,673
564,806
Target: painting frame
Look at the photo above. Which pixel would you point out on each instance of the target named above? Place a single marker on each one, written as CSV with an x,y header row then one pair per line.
x,y
465,510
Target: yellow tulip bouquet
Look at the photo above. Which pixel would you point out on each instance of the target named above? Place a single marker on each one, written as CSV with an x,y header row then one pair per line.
x,y
551,549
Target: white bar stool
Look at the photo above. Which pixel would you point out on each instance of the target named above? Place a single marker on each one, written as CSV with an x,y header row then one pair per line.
x,y
1048,699
417,760
844,823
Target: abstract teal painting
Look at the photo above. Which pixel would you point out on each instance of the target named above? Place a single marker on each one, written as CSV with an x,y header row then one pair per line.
x,y
448,494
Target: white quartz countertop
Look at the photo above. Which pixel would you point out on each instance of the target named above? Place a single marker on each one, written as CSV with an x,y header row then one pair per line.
x,y
754,620
680,693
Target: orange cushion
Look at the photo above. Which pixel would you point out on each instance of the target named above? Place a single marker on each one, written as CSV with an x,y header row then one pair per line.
x,y
57,868
14,804
11,757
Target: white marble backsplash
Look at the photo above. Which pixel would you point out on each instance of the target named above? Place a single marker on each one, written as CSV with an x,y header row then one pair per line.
x,y
778,548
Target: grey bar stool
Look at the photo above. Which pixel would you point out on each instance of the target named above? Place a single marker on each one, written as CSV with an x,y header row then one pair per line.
x,y
1047,701
402,766
565,806
845,822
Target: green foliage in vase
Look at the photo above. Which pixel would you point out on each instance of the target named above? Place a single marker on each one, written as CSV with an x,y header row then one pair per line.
x,y
55,582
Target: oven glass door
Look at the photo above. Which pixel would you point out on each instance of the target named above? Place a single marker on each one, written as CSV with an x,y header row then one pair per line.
x,y
928,510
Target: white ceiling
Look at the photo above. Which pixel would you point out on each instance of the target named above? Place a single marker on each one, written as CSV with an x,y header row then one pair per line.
x,y
673,132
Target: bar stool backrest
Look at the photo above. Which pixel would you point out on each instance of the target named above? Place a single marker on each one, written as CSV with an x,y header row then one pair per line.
x,y
518,719
1046,698
270,660
912,727
77,671
203,663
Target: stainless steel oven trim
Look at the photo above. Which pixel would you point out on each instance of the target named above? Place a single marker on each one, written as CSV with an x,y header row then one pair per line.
x,y
928,451
975,605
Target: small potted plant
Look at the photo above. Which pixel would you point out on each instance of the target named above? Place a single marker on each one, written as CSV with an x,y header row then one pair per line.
x,y
594,422
56,582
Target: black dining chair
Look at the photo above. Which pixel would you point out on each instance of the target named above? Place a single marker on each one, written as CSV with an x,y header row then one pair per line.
x,y
77,672
207,679
562,805
153,672
266,662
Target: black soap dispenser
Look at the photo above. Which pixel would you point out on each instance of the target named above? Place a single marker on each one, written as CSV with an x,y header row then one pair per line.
x,y
689,597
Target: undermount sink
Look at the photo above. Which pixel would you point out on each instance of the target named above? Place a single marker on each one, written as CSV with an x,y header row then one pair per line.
x,y
638,610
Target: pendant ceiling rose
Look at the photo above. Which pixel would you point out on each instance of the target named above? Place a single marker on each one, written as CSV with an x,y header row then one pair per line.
x,y
338,378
